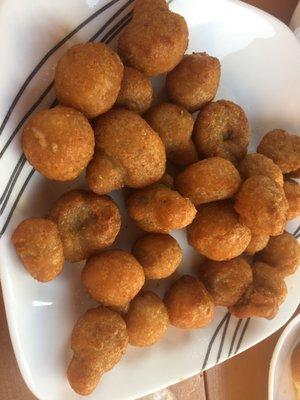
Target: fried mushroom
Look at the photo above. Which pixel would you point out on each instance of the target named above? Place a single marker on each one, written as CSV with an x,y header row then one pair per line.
x,y
86,222
226,281
222,129
88,77
59,143
189,304
194,81
147,319
128,153
175,126
113,277
208,180
217,233
158,253
283,148
38,245
158,208
282,252
262,205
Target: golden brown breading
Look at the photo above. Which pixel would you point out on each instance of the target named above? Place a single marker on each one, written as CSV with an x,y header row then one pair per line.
x,y
87,223
143,8
264,296
292,193
128,153
113,277
189,304
99,340
82,376
257,243
155,39
159,254
258,164
222,129
194,81
216,232
226,281
208,180
88,77
283,148
175,126
59,143
147,319
136,91
38,244
282,252
158,208
262,205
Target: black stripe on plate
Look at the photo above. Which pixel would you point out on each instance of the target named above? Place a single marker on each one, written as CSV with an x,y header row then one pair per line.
x,y
55,103
234,336
212,340
47,55
11,178
95,36
223,338
46,91
29,112
16,202
12,184
242,335
297,231
125,21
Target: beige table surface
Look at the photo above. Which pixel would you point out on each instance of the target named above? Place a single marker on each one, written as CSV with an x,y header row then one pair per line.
x,y
227,381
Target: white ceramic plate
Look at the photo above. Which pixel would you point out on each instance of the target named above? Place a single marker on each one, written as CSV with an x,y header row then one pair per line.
x,y
260,71
280,374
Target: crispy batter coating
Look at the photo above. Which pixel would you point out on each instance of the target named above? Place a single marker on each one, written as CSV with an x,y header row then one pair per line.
x,y
194,81
189,304
143,8
217,233
264,296
82,376
147,319
158,208
88,77
222,129
257,243
158,253
208,180
128,153
113,277
292,193
258,164
262,205
136,91
99,340
155,39
58,142
87,223
175,126
282,252
38,245
283,148
226,281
